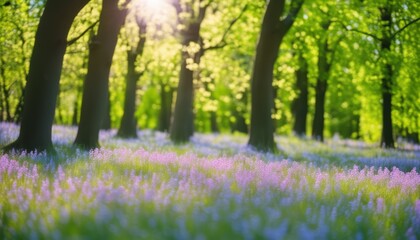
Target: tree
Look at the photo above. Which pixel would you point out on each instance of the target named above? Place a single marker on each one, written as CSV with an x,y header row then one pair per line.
x,y
324,67
391,25
44,75
182,127
95,90
18,22
300,103
128,126
273,30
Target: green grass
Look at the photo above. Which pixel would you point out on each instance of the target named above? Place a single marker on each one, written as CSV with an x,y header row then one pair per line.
x,y
212,188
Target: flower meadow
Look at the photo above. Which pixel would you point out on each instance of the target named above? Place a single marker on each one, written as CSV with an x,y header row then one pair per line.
x,y
211,188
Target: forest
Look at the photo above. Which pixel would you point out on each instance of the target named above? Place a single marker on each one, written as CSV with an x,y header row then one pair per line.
x,y
209,119
316,69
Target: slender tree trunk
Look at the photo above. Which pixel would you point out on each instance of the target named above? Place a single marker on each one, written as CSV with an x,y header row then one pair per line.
x,y
300,104
182,127
19,106
240,124
59,117
321,86
95,90
44,75
387,138
128,126
213,122
5,90
166,95
1,98
75,118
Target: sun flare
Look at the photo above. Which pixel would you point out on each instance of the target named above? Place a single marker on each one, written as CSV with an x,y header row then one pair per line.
x,y
154,8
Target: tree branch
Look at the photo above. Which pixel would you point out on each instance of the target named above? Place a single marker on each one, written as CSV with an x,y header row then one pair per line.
x,y
357,30
295,7
403,28
334,49
364,33
72,41
202,11
222,43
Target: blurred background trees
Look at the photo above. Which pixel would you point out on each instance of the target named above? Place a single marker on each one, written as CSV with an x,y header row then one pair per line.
x,y
346,68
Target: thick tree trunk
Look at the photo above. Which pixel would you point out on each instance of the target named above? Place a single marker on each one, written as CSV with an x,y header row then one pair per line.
x,y
321,86
106,122
274,110
44,75
261,130
272,32
95,90
182,127
300,104
166,95
387,138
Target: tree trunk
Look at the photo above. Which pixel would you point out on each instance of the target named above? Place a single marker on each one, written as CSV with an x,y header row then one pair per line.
x,y
261,129
240,124
5,96
321,86
75,118
128,126
272,32
166,95
387,138
95,90
44,75
106,122
19,106
300,104
182,127
213,122
274,110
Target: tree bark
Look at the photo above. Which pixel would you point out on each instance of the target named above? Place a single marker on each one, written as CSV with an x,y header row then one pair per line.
x,y
182,127
106,122
166,95
300,104
321,85
44,75
5,97
19,106
128,126
75,117
214,127
240,124
387,138
95,90
272,32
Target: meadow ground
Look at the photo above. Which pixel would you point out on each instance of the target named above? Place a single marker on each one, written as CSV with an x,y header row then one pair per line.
x,y
212,188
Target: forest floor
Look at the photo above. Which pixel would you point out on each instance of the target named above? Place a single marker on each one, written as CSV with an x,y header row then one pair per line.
x,y
212,188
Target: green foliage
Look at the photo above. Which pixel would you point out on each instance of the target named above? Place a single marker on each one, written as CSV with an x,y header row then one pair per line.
x,y
353,105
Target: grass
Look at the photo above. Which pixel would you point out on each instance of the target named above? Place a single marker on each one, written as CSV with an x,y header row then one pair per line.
x,y
211,188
